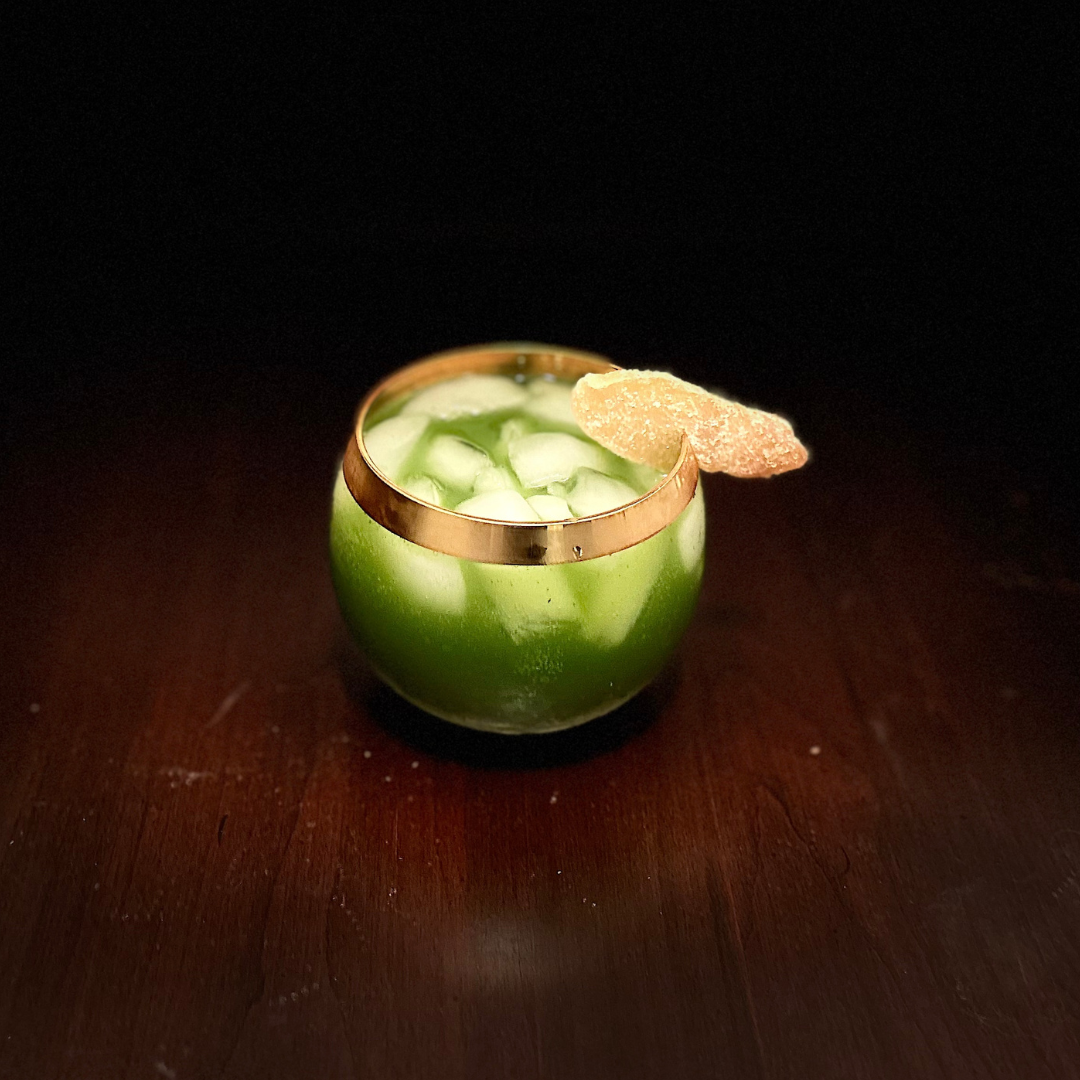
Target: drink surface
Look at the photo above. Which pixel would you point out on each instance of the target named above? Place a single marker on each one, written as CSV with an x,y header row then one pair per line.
x,y
510,648
460,443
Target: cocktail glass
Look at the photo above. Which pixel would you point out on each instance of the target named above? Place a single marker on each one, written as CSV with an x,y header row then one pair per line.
x,y
511,626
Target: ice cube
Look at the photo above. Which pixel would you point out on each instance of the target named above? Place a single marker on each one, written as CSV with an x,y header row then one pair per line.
x,y
492,478
423,487
617,587
499,505
389,444
510,431
528,600
427,579
513,429
645,476
550,401
550,507
551,456
690,530
423,578
467,395
454,461
595,493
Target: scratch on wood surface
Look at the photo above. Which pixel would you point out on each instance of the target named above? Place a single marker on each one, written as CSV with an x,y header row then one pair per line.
x,y
187,777
228,703
729,913
879,725
1070,884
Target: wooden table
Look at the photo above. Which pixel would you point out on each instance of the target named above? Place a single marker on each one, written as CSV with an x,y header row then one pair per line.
x,y
840,838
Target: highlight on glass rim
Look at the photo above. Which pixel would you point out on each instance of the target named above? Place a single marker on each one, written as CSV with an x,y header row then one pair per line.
x,y
517,536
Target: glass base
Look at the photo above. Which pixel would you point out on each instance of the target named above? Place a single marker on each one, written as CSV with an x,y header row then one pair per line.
x,y
504,727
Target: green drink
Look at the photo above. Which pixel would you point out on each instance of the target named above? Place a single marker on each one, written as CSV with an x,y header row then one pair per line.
x,y
510,648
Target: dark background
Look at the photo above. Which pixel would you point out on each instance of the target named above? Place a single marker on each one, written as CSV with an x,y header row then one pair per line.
x,y
832,211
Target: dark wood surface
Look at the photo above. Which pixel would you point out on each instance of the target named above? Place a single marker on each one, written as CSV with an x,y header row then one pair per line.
x,y
839,838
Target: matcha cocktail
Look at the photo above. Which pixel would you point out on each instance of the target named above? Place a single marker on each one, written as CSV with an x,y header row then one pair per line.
x,y
523,578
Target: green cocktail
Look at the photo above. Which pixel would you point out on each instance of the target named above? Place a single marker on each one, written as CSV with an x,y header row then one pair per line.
x,y
477,640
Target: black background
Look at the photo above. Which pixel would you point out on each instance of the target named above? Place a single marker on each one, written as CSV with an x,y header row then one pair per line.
x,y
836,212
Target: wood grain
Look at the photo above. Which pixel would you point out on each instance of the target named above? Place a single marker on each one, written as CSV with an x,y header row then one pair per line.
x,y
840,838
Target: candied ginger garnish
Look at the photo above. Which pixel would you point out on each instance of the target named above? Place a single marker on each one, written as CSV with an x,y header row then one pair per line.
x,y
642,415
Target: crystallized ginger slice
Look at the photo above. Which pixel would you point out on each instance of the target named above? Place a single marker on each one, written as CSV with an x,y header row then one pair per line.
x,y
642,415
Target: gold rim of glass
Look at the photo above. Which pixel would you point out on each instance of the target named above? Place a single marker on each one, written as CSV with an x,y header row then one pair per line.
x,y
510,543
